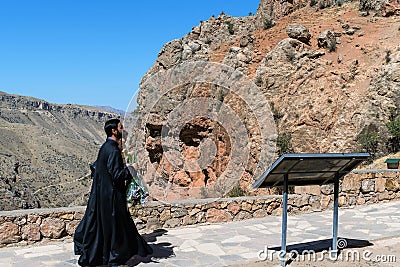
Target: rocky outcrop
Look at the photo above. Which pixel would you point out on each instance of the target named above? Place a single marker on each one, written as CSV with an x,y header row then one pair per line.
x,y
327,40
327,87
383,99
204,38
299,32
380,7
273,10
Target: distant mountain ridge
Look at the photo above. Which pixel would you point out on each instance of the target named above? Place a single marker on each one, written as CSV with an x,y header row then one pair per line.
x,y
111,109
44,149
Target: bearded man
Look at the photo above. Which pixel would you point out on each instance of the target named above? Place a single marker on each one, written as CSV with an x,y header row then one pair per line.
x,y
107,234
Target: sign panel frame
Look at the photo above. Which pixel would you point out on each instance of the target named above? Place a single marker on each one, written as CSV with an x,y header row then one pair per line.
x,y
310,169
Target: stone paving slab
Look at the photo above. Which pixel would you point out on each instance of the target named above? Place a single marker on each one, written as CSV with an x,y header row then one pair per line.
x,y
229,243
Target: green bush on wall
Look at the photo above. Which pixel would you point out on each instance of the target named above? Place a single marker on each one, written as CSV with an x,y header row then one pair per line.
x,y
284,143
394,131
369,141
237,191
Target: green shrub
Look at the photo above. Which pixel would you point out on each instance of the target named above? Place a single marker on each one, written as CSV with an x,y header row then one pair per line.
x,y
284,143
230,27
277,115
369,141
237,191
130,158
394,131
268,23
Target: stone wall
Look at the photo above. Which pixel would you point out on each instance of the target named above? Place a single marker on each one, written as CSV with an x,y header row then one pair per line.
x,y
30,226
23,227
188,212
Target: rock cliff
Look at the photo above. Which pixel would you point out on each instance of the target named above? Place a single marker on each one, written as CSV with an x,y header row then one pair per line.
x,y
327,70
44,149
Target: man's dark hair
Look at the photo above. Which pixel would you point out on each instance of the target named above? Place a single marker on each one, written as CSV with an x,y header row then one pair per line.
x,y
111,124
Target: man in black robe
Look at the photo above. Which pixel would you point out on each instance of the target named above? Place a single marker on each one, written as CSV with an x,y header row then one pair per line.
x,y
107,234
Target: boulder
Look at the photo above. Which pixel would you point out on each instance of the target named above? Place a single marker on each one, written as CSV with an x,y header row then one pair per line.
x,y
327,40
52,228
299,32
31,232
9,233
215,215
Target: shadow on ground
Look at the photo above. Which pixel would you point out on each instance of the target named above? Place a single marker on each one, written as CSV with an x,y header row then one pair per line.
x,y
324,245
161,250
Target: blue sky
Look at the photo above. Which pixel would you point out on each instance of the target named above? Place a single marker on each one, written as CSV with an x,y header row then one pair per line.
x,y
93,52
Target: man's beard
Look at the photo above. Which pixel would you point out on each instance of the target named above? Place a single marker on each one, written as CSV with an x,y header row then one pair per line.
x,y
119,135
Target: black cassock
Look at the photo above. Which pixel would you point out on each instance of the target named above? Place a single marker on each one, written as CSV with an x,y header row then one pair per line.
x,y
107,233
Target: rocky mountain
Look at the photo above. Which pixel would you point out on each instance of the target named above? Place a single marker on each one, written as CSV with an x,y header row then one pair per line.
x,y
111,109
325,75
45,151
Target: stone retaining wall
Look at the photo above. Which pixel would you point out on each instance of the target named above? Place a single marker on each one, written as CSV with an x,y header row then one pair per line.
x,y
357,188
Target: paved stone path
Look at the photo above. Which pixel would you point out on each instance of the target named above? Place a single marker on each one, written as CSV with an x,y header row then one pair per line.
x,y
229,243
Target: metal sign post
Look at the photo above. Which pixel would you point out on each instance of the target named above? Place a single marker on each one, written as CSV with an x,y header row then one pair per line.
x,y
335,216
284,220
310,169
